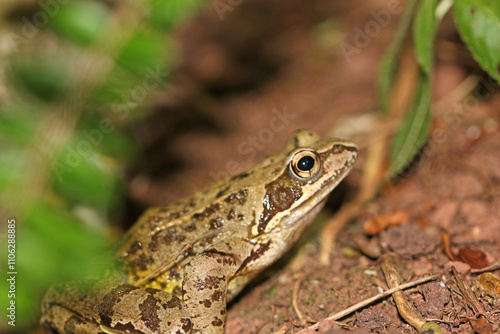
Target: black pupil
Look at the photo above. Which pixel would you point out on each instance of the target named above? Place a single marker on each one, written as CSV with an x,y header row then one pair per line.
x,y
306,163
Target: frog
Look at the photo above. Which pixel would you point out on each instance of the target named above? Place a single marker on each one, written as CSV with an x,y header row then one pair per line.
x,y
180,264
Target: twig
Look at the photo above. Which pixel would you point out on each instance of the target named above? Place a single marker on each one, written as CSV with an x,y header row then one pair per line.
x,y
469,296
370,300
346,213
405,310
493,267
446,239
457,94
295,304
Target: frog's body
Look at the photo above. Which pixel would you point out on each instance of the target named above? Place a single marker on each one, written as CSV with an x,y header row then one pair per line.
x,y
184,261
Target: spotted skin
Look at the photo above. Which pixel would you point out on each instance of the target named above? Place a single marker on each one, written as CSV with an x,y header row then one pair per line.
x,y
101,309
183,262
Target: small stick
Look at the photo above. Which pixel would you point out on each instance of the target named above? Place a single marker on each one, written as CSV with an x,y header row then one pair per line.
x,y
370,300
295,304
493,267
469,296
392,278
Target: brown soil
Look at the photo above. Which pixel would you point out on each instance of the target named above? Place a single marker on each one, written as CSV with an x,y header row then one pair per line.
x,y
282,59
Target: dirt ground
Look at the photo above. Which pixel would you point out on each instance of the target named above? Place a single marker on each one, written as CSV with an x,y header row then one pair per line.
x,y
250,77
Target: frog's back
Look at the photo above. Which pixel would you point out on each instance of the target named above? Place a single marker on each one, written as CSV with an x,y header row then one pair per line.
x,y
220,212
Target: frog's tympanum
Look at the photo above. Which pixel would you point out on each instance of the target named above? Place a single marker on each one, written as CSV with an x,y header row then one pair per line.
x,y
183,262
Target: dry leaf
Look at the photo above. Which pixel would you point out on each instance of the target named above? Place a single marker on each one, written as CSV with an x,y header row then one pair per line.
x,y
490,282
481,326
473,257
376,224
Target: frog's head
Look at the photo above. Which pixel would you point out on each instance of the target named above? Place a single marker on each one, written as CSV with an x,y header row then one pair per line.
x,y
305,174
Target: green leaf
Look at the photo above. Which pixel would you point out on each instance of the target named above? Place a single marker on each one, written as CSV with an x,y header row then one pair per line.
x,y
478,22
164,14
423,34
13,168
113,141
143,53
80,174
17,126
42,78
64,230
51,246
414,131
117,87
490,8
120,145
80,21
389,64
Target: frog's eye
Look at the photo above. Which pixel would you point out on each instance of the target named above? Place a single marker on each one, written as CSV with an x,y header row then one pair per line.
x,y
304,165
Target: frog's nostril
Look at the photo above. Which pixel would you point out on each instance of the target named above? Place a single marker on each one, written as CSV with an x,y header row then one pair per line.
x,y
338,149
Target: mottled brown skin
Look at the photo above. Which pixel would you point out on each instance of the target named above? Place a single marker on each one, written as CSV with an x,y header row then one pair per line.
x,y
184,261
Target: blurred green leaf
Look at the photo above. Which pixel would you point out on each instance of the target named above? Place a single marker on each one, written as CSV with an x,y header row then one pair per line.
x,y
51,246
55,238
111,140
80,21
165,14
389,65
12,169
126,92
65,232
80,174
17,126
413,133
478,22
415,127
121,146
145,51
117,88
423,34
42,78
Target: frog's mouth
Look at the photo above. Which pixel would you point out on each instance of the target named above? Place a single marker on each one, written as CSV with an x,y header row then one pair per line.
x,y
329,184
